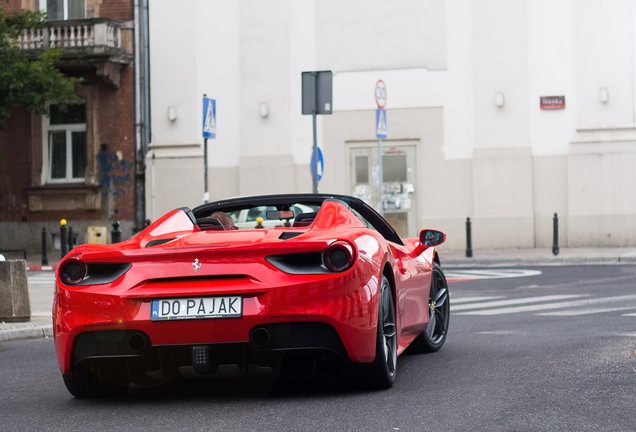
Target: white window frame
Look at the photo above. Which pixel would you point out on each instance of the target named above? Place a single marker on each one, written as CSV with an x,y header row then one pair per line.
x,y
69,129
43,7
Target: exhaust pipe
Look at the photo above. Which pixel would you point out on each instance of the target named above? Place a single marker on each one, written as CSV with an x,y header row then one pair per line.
x,y
260,338
138,342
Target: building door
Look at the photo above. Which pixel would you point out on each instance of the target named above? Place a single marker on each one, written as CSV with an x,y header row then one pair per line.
x,y
398,183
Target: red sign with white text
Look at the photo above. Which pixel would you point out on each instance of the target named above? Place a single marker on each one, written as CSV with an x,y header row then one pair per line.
x,y
552,102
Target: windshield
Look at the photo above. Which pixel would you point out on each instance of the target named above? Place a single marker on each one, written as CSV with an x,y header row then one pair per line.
x,y
260,216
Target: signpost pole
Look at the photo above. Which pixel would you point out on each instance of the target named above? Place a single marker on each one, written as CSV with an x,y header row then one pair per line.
x,y
314,153
209,131
316,100
381,133
206,195
314,156
380,168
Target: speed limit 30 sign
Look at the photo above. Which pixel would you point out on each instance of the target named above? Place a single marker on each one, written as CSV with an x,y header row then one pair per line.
x,y
380,94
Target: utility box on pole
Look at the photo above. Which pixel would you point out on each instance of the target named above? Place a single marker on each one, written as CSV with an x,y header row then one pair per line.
x,y
317,95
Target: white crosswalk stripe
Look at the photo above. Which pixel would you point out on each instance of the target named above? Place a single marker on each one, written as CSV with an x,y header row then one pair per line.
x,y
41,278
460,300
488,310
490,273
589,311
493,304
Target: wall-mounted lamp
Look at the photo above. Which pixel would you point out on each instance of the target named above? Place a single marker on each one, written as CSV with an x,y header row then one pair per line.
x,y
263,110
499,99
603,95
172,113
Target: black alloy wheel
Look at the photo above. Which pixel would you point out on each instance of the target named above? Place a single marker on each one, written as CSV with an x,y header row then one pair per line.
x,y
434,335
381,373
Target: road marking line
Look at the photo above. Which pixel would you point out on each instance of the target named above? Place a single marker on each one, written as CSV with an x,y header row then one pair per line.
x,y
461,300
41,314
590,311
630,315
541,307
491,274
499,332
510,302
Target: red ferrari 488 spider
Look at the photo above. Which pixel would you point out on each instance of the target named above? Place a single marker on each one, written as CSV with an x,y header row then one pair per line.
x,y
247,281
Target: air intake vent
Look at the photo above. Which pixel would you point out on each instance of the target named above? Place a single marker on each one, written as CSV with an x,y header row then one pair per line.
x,y
158,242
288,235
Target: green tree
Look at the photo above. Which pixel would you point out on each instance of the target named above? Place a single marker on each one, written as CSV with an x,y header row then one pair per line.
x,y
29,80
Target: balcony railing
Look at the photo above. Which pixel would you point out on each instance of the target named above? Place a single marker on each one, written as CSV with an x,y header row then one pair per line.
x,y
99,35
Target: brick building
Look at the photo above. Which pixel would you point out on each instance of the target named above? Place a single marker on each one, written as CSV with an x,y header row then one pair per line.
x,y
77,164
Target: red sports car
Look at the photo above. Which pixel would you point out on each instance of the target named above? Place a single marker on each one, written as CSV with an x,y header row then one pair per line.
x,y
247,281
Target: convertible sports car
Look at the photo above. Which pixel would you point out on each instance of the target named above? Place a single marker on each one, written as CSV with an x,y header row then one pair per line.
x,y
248,281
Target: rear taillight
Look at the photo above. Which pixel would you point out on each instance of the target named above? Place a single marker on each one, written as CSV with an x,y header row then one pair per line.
x,y
77,272
339,256
72,272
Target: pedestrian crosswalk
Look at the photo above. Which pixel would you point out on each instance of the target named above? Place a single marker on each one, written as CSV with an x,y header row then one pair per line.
x,y
41,277
563,305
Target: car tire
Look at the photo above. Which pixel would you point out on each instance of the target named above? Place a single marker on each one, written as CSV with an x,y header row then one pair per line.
x,y
84,383
380,374
434,335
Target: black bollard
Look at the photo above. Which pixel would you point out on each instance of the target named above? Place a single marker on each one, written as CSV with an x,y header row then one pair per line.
x,y
469,239
71,239
45,258
63,238
555,235
115,234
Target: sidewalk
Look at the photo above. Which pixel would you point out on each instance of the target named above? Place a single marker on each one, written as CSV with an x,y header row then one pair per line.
x,y
41,282
541,256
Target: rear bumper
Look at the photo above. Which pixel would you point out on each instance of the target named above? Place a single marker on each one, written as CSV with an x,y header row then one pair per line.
x,y
337,313
134,346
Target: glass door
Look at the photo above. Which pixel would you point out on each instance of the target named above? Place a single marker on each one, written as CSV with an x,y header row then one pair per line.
x,y
398,183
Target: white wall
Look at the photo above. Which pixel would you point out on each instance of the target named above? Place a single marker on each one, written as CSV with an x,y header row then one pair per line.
x,y
510,167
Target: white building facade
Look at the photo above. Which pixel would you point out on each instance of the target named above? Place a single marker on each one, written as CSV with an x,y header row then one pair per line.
x,y
468,136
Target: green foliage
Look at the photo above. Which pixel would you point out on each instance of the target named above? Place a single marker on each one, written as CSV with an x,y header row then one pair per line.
x,y
29,80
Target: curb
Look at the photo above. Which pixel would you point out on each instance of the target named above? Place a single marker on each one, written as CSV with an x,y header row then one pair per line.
x,y
27,332
508,262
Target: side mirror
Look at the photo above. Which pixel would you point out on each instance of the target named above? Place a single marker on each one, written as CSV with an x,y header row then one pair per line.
x,y
428,238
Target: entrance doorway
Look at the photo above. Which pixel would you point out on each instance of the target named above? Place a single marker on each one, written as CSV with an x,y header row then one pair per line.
x,y
398,183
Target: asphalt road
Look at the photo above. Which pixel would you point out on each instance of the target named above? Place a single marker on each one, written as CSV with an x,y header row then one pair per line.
x,y
554,351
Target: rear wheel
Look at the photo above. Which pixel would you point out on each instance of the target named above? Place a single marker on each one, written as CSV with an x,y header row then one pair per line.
x,y
86,383
381,373
434,336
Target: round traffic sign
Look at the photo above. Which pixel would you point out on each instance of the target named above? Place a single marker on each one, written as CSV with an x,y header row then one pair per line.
x,y
320,164
380,94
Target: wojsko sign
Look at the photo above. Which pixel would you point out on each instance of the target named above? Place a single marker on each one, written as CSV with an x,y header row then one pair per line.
x,y
552,102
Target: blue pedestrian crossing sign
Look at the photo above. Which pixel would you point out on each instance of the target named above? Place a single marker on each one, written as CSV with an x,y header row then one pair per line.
x,y
380,124
209,117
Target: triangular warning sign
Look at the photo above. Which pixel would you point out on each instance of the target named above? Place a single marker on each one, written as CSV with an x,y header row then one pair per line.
x,y
210,120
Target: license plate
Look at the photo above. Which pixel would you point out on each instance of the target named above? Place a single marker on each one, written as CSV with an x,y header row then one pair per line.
x,y
196,308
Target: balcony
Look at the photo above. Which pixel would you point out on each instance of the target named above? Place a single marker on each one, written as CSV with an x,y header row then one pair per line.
x,y
100,44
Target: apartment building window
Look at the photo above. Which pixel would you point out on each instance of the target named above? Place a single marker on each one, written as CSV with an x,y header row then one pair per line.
x,y
66,131
57,10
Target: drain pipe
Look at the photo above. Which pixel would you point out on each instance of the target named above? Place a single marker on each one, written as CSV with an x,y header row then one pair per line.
x,y
140,155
